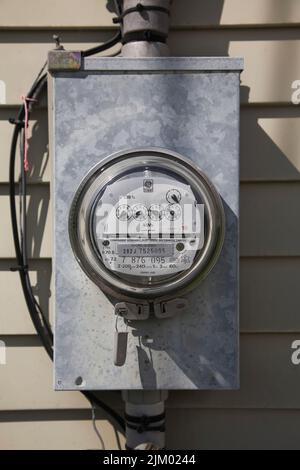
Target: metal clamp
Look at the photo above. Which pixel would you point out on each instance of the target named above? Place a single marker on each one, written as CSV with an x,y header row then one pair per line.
x,y
170,308
145,35
131,311
140,8
141,311
143,423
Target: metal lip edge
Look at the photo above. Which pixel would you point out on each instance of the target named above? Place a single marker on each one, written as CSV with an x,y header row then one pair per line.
x,y
164,64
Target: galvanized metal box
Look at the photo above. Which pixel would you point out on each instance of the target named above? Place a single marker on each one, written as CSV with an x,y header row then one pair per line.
x,y
188,105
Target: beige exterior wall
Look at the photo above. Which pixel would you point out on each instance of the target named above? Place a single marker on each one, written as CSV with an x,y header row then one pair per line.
x,y
265,412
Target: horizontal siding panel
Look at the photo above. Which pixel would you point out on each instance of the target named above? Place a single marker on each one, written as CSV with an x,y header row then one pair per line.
x,y
233,429
270,222
56,14
275,53
270,147
270,144
190,13
268,379
37,146
39,225
186,429
14,318
57,430
269,295
28,361
230,12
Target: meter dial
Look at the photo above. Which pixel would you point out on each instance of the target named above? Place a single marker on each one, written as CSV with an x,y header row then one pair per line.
x,y
140,212
173,196
155,212
173,212
123,212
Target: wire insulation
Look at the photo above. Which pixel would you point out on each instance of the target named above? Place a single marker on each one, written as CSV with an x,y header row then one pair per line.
x,y
103,47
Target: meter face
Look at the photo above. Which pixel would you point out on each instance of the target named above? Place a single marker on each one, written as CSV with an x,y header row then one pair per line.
x,y
147,224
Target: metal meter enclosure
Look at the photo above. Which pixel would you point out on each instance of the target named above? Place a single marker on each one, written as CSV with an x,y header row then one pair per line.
x,y
146,182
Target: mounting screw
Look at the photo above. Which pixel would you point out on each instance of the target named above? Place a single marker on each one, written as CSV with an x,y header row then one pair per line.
x,y
121,311
180,245
79,381
58,45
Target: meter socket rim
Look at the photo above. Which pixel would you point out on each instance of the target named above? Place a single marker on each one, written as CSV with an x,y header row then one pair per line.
x,y
81,238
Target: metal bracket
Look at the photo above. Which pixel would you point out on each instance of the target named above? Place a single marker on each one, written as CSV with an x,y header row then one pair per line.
x,y
170,308
130,311
167,309
59,60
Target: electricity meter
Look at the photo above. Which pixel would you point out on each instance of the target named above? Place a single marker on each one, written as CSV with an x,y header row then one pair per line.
x,y
146,224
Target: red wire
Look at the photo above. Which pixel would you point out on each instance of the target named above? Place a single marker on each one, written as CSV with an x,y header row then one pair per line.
x,y
25,100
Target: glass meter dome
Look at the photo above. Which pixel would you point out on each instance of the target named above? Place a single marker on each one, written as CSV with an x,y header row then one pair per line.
x,y
146,223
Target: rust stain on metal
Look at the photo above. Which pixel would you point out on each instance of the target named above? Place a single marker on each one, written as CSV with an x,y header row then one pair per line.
x,y
64,60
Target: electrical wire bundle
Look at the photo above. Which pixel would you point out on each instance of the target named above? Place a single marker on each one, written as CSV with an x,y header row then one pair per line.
x,y
19,228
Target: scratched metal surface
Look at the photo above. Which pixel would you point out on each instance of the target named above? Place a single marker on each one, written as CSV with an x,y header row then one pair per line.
x,y
187,105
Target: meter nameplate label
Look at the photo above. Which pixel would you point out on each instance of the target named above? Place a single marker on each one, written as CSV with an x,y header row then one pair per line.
x,y
126,258
163,249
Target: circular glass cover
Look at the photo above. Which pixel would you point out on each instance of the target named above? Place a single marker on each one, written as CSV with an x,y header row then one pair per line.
x,y
148,224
